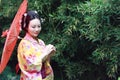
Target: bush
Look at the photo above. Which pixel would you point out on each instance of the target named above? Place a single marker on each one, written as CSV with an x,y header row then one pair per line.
x,y
86,34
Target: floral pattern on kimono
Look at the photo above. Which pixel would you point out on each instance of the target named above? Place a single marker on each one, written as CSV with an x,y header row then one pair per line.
x,y
29,59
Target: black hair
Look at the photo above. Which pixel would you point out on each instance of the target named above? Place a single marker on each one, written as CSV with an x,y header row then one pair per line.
x,y
27,17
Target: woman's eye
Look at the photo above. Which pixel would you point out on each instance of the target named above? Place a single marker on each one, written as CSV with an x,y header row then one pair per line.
x,y
33,26
39,26
36,26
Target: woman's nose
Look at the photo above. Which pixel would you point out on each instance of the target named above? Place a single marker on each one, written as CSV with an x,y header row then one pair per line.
x,y
37,29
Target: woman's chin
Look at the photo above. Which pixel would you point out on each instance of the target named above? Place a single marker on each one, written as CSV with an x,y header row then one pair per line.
x,y
35,35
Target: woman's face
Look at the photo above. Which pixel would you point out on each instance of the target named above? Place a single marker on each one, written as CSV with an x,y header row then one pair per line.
x,y
34,28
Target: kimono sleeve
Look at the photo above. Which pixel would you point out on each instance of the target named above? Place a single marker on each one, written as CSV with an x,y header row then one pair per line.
x,y
44,51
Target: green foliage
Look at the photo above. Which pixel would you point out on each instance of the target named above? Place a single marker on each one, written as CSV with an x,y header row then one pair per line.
x,y
86,34
119,78
8,74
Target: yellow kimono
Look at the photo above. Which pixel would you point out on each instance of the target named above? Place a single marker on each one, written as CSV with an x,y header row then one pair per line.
x,y
31,65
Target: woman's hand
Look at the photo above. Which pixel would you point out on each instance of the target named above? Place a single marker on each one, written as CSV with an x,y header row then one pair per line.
x,y
50,49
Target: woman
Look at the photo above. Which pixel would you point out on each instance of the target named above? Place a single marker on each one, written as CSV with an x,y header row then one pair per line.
x,y
33,54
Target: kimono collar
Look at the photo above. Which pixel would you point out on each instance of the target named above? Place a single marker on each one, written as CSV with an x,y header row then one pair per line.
x,y
30,38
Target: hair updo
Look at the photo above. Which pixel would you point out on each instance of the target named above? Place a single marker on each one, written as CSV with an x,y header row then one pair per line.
x,y
27,17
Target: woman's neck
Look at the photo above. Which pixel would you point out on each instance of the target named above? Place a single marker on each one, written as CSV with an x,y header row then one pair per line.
x,y
29,37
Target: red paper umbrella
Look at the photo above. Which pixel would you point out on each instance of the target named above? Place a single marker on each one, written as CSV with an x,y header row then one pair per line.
x,y
12,36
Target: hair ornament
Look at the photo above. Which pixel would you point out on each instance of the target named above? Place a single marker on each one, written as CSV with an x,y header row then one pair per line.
x,y
42,20
36,12
20,24
25,15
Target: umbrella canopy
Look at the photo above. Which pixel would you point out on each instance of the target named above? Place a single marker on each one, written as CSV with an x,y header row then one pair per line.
x,y
12,36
